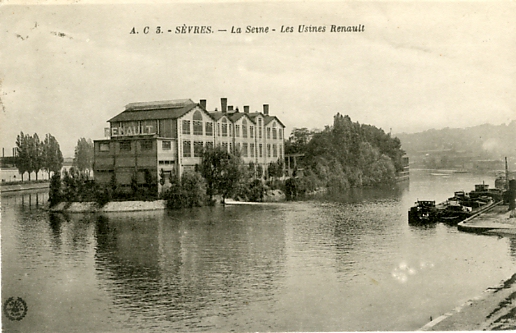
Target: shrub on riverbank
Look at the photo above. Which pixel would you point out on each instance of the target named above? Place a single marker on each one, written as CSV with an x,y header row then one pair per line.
x,y
187,192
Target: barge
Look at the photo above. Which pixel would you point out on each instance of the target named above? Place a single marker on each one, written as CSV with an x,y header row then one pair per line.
x,y
457,208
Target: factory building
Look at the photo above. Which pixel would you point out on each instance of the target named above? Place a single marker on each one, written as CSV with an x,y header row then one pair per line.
x,y
170,135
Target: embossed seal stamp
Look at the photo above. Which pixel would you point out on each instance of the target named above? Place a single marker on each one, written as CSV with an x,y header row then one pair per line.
x,y
15,308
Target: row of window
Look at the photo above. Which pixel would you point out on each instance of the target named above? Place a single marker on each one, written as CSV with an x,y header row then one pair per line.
x,y
126,146
225,130
247,150
197,150
144,145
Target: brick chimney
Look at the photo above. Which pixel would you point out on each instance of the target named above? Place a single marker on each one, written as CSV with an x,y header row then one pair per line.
x,y
223,104
202,102
230,107
246,108
266,109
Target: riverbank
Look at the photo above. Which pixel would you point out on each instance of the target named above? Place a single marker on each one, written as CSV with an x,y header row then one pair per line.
x,y
110,207
495,308
24,186
137,206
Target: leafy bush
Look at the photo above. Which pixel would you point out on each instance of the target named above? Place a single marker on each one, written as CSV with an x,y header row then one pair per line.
x,y
188,192
55,195
256,190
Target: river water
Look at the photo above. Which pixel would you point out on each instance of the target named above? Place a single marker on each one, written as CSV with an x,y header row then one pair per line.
x,y
341,264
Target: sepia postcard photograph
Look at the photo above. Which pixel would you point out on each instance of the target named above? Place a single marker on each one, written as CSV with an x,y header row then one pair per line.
x,y
257,166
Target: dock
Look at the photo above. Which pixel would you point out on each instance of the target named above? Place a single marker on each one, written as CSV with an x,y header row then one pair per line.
x,y
496,220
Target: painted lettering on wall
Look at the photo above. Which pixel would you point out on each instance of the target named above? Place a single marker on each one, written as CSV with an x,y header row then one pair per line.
x,y
133,130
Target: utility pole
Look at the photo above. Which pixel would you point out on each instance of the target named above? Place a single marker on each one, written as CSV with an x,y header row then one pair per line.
x,y
506,174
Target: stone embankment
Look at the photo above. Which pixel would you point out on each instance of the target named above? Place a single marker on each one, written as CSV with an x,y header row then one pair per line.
x,y
23,187
114,206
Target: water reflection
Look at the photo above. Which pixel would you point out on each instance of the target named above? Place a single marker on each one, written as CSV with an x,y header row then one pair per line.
x,y
342,263
189,265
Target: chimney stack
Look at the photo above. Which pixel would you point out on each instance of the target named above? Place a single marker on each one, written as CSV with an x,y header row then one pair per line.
x,y
202,102
230,107
223,104
266,109
246,108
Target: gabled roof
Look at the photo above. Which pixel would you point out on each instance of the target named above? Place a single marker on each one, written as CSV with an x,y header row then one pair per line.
x,y
216,115
155,110
266,119
236,116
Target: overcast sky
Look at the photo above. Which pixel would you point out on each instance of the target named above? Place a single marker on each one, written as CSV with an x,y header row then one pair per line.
x,y
66,70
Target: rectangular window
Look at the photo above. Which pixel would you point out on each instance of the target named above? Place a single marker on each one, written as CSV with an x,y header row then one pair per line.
x,y
146,145
238,147
268,150
237,131
209,145
186,126
251,132
231,148
166,145
280,149
244,150
125,146
244,131
260,150
274,135
197,148
218,129
224,129
268,132
251,148
230,129
209,128
187,148
274,151
104,146
225,146
197,127
260,132
280,133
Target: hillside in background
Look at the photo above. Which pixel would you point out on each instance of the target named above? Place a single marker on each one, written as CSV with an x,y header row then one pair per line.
x,y
480,147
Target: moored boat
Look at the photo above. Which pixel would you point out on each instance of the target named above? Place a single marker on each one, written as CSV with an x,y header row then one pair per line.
x,y
457,208
423,212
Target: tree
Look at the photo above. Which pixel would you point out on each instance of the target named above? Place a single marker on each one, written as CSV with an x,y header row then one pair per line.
x,y
55,196
52,156
36,154
275,169
22,154
83,159
298,140
221,170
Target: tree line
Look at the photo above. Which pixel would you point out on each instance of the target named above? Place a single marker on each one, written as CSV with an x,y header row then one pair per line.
x,y
34,155
346,154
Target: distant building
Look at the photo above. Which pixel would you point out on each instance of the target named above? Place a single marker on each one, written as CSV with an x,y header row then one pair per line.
x,y
170,135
